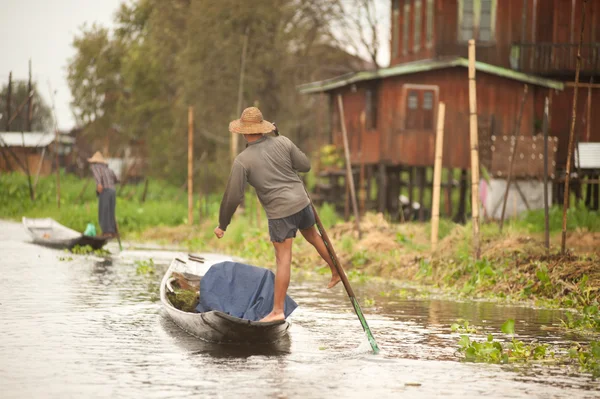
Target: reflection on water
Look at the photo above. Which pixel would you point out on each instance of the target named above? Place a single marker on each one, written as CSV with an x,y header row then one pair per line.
x,y
93,328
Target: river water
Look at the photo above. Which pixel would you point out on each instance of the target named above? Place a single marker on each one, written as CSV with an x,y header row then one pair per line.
x,y
93,328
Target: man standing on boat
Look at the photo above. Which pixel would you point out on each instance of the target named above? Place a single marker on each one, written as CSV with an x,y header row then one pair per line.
x,y
270,165
107,196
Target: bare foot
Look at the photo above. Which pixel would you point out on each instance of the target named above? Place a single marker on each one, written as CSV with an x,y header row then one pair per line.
x,y
273,316
335,279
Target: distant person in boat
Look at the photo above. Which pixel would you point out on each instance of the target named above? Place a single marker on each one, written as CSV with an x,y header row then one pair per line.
x,y
270,165
105,189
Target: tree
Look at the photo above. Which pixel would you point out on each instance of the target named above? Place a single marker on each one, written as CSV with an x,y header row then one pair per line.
x,y
95,82
357,24
165,56
41,120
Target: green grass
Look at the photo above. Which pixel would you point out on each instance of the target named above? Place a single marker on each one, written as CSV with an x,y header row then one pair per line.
x,y
577,217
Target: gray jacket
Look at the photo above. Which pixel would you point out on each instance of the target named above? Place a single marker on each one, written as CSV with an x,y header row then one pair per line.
x,y
270,165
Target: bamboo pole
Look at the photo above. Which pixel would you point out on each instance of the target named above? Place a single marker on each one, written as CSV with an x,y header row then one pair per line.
x,y
589,111
513,154
349,174
234,137
56,146
39,168
29,100
437,176
361,180
474,149
27,170
20,109
190,185
546,218
572,133
145,192
8,101
28,127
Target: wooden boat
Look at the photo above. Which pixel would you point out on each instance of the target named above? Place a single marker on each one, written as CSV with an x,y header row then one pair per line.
x,y
213,326
50,233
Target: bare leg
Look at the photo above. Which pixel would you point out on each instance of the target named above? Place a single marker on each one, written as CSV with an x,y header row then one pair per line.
x,y
314,238
283,255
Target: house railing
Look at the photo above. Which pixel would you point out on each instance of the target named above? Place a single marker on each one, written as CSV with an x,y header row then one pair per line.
x,y
554,58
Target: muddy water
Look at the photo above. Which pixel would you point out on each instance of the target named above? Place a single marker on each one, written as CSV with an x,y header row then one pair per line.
x,y
94,328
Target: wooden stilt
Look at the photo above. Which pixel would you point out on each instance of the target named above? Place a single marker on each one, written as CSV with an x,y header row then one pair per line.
x,y
460,216
449,190
411,186
382,189
421,181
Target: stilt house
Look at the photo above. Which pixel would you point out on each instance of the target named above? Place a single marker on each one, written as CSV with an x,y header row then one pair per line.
x,y
390,113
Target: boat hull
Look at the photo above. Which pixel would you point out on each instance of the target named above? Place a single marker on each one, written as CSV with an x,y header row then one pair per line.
x,y
50,233
219,327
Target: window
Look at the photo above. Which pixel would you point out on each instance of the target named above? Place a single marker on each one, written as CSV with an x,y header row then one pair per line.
x,y
405,26
429,27
477,20
395,27
420,107
485,21
413,99
467,20
428,100
417,18
371,109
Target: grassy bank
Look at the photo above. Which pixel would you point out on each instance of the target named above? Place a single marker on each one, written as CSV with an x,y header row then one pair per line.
x,y
513,264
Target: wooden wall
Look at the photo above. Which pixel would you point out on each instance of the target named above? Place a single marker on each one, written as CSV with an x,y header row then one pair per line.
x,y
27,157
530,21
394,144
560,118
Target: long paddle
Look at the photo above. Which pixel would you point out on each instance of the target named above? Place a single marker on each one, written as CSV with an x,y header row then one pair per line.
x,y
340,270
118,235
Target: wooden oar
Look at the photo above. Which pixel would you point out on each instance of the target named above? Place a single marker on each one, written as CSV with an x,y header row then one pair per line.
x,y
340,270
118,235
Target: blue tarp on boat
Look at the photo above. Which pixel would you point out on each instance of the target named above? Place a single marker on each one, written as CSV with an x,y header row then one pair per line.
x,y
240,290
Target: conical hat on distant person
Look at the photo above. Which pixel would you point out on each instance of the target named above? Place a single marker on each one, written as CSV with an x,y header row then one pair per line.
x,y
97,158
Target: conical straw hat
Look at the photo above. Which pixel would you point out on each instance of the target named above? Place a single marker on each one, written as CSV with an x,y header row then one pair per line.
x,y
251,122
97,158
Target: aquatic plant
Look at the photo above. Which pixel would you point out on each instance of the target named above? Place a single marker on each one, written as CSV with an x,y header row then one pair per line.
x,y
589,320
588,357
145,267
493,351
463,328
88,250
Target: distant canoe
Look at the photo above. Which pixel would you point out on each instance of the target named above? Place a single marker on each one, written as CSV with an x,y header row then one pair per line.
x,y
214,326
50,233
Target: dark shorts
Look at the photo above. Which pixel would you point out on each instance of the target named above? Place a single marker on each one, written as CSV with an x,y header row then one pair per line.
x,y
287,227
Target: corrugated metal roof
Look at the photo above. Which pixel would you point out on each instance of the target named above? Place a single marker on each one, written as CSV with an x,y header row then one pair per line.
x,y
423,66
31,139
590,155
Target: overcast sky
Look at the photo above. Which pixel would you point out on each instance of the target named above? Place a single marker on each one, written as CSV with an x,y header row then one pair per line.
x,y
43,30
